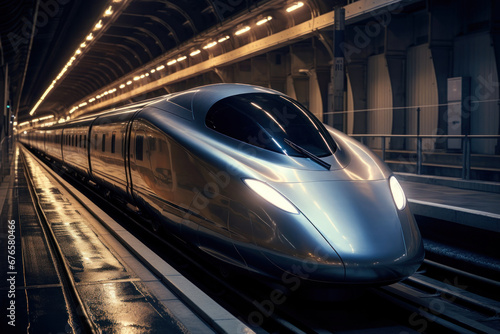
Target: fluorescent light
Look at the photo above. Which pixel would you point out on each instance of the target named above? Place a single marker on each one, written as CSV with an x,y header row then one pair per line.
x,y
294,7
264,20
181,58
194,53
223,39
173,61
242,30
209,45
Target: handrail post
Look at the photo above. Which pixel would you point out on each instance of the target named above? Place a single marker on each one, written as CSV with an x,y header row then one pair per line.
x,y
466,158
383,148
419,155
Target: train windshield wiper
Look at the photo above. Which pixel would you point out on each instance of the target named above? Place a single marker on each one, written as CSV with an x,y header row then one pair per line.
x,y
305,152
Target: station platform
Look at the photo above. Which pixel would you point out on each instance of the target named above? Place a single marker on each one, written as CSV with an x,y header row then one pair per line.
x,y
472,203
90,275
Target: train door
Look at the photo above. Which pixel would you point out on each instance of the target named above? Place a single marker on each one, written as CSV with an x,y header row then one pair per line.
x,y
140,168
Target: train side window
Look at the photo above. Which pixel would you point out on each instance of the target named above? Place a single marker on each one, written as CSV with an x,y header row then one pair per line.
x,y
103,142
80,141
139,145
113,142
95,142
84,141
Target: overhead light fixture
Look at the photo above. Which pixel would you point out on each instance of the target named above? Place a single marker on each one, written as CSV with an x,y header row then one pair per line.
x,y
89,37
108,11
264,20
223,39
242,30
122,86
173,61
129,82
181,58
161,67
209,45
83,45
98,25
194,53
294,6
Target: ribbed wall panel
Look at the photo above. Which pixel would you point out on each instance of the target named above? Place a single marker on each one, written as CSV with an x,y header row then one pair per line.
x,y
421,92
379,99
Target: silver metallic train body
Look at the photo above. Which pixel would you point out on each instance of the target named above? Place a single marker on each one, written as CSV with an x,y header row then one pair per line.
x,y
249,176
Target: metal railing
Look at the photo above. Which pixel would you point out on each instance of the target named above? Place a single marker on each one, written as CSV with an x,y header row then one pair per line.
x,y
466,147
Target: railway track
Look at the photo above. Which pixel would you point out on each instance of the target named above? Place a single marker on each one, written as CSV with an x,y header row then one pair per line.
x,y
79,320
418,304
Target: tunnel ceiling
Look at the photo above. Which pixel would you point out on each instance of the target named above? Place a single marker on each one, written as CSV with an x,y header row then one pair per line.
x,y
60,51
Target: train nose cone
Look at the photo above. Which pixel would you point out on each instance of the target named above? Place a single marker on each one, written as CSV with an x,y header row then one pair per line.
x,y
360,221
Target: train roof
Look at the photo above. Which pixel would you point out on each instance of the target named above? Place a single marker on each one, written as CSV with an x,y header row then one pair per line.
x,y
199,100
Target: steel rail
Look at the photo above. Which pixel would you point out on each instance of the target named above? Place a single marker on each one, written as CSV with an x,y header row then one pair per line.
x,y
64,272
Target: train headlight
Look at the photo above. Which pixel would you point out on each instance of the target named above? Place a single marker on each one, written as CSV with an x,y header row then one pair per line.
x,y
271,195
397,193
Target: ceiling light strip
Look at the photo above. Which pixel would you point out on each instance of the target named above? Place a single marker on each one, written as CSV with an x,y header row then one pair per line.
x,y
110,14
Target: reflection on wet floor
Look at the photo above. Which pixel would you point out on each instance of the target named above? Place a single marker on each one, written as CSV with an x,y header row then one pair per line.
x,y
114,296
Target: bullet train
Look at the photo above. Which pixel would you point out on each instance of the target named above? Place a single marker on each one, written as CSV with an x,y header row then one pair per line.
x,y
250,177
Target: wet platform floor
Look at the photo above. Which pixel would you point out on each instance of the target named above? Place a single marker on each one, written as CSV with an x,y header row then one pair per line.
x,y
474,208
34,294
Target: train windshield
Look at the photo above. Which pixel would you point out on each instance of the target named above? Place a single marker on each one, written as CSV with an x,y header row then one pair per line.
x,y
271,122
